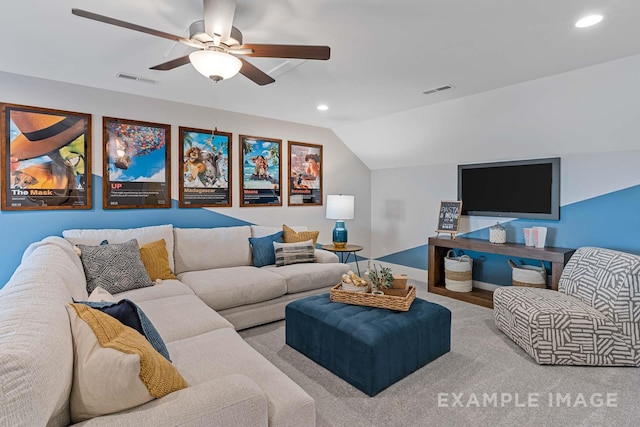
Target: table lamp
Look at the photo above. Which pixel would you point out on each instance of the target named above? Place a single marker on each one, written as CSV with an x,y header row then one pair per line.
x,y
340,207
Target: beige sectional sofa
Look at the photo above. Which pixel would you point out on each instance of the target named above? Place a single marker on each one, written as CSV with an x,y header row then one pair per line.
x,y
217,291
216,264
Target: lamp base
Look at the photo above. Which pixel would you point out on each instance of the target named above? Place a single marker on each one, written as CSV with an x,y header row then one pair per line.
x,y
339,235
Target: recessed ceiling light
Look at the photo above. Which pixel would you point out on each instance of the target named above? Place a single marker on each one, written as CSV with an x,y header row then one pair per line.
x,y
322,107
588,21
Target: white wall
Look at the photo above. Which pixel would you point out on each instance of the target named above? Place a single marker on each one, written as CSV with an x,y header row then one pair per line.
x,y
594,109
589,117
343,172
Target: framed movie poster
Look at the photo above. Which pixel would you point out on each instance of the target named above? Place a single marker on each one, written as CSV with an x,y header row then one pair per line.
x,y
260,171
205,171
305,174
46,157
136,164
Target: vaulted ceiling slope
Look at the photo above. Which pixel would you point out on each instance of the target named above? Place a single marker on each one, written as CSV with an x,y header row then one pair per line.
x,y
384,55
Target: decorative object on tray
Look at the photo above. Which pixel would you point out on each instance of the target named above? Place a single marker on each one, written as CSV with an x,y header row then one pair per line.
x,y
529,275
368,299
399,288
379,277
352,282
458,272
497,234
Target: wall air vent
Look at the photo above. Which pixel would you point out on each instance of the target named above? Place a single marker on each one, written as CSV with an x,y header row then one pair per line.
x,y
135,78
438,89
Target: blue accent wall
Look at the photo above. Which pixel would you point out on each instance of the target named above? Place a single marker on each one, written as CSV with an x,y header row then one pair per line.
x,y
414,257
21,228
611,221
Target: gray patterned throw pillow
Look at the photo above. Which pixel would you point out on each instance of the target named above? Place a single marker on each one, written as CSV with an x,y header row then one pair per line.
x,y
114,267
294,253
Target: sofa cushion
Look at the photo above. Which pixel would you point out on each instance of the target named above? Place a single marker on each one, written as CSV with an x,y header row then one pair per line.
x,y
287,402
304,277
115,367
129,314
34,337
70,266
143,235
114,267
155,258
222,288
294,253
164,289
199,249
100,295
323,256
182,316
293,236
262,249
263,230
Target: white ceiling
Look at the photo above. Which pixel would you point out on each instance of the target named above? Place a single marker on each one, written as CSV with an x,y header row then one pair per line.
x,y
384,53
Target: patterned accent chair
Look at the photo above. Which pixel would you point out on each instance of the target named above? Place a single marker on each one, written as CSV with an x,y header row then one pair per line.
x,y
593,319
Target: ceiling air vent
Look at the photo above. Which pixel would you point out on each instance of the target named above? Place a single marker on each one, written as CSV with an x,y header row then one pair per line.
x,y
438,89
133,77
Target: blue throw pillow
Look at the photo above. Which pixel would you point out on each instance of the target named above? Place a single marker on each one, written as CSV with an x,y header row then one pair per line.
x,y
262,247
129,314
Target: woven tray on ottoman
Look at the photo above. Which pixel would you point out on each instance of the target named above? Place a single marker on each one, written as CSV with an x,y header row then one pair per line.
x,y
370,348
399,303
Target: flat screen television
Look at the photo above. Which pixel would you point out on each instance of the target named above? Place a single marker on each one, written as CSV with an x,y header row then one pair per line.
x,y
515,189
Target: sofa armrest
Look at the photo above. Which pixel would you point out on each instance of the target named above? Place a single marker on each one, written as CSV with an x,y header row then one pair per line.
x,y
325,257
229,400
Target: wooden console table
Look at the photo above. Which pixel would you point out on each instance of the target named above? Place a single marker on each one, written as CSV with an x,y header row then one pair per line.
x,y
439,246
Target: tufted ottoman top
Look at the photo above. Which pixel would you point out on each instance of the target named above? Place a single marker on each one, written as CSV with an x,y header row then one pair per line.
x,y
371,348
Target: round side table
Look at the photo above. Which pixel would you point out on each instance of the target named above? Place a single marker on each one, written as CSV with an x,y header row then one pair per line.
x,y
348,249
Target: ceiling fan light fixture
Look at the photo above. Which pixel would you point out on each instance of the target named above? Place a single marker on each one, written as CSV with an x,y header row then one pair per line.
x,y
214,64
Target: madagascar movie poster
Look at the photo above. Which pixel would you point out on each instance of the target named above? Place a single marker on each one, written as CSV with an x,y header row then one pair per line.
x,y
205,176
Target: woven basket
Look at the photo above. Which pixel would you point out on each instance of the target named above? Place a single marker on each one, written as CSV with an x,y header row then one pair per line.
x,y
457,272
381,301
529,275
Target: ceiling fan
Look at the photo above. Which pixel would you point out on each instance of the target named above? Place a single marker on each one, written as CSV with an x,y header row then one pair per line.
x,y
220,45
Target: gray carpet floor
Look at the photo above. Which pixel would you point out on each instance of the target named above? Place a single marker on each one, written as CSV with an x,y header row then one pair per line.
x,y
485,380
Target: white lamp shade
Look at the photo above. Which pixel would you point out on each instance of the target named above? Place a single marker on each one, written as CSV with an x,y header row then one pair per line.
x,y
215,65
340,206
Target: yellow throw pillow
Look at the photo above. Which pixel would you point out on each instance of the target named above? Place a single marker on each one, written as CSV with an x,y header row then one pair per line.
x,y
115,368
293,236
155,258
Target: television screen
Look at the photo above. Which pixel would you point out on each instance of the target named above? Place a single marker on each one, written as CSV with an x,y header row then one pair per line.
x,y
517,189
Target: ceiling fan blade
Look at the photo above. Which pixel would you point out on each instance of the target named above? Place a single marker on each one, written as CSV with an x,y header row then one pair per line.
x,y
288,51
135,27
218,17
170,65
255,74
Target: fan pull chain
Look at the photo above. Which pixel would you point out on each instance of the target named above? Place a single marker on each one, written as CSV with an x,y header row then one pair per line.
x,y
213,112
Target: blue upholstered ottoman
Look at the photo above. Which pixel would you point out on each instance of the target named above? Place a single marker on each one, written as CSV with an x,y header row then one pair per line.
x,y
370,348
